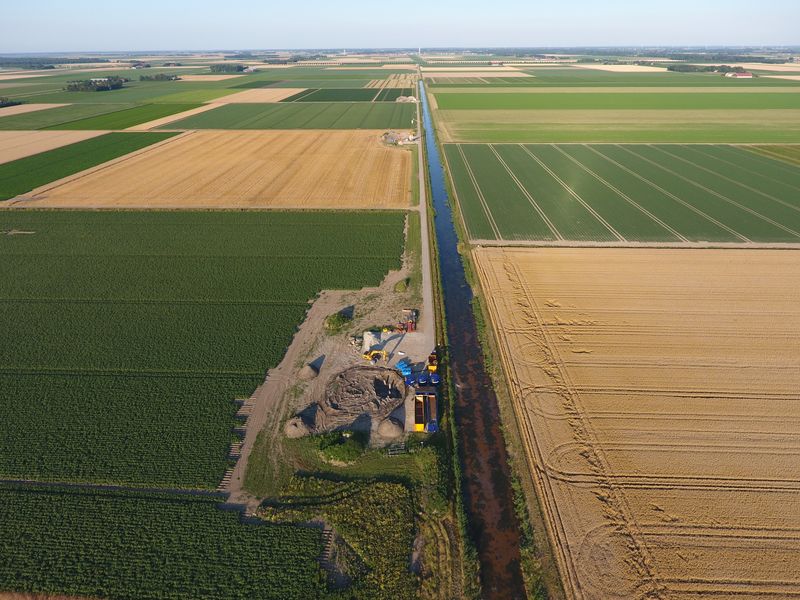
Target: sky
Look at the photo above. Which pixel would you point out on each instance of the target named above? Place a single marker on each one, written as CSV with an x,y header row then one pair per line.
x,y
112,25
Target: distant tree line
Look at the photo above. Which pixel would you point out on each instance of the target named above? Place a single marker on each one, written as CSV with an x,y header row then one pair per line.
x,y
44,62
686,68
159,77
103,84
227,68
8,102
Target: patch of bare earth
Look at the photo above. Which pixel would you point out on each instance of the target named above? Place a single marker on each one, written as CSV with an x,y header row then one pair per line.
x,y
658,395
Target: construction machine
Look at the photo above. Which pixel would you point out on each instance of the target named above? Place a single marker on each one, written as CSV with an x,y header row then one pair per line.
x,y
374,356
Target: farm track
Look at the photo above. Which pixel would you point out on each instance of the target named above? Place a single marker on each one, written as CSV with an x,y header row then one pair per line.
x,y
660,416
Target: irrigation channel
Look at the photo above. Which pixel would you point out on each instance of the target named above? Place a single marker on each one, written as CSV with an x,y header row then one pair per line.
x,y
486,476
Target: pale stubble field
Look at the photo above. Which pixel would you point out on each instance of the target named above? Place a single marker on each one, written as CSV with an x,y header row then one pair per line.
x,y
245,169
658,396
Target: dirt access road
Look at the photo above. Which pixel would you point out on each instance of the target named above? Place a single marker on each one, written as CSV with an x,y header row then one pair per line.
x,y
270,400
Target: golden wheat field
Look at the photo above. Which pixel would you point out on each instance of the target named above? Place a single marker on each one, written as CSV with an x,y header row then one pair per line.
x,y
245,169
658,396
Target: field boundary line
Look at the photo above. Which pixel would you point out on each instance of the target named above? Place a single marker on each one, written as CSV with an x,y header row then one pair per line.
x,y
670,195
715,193
574,194
733,181
628,244
622,194
481,197
95,169
527,194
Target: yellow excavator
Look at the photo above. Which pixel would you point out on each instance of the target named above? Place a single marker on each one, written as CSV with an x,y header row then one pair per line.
x,y
374,356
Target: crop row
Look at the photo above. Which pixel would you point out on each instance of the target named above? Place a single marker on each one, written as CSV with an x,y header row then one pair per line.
x,y
130,360
136,547
613,192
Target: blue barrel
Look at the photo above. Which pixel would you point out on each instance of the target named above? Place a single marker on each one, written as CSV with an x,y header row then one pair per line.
x,y
410,380
422,378
435,379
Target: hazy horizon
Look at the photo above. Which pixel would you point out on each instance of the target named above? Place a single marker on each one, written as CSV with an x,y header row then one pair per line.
x,y
95,26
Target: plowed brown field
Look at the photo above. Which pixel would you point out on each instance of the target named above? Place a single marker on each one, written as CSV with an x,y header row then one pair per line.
x,y
658,395
245,169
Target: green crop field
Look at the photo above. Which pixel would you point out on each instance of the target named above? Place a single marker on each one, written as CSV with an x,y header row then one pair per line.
x,y
42,119
790,154
148,547
335,95
392,94
643,193
134,331
575,77
126,118
299,115
626,101
25,174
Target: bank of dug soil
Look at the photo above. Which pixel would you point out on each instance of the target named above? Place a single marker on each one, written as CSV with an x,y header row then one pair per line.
x,y
657,392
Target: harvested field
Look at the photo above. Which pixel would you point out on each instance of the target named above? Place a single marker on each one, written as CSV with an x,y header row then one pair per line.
x,y
259,95
621,68
247,169
624,193
657,395
21,109
19,144
209,77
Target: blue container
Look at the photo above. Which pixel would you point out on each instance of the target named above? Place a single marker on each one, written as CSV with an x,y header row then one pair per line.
x,y
435,379
410,380
422,378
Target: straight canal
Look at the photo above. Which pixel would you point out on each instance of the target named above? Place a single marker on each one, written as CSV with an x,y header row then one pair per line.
x,y
486,476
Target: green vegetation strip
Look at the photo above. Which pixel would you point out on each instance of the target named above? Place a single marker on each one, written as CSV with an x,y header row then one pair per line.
x,y
42,119
376,521
663,101
134,331
299,115
25,174
126,118
148,547
643,193
338,95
